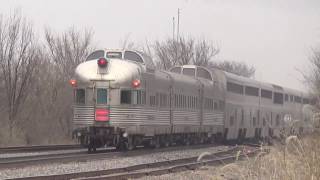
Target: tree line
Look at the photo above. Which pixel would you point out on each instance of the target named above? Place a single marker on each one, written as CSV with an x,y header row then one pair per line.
x,y
35,97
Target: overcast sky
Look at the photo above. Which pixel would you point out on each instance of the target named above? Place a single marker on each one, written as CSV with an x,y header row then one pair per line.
x,y
276,36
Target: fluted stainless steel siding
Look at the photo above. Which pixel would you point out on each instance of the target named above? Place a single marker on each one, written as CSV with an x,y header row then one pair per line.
x,y
181,117
131,115
83,115
213,118
139,116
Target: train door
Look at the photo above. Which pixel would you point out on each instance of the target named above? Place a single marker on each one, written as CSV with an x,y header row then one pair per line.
x,y
101,98
171,101
201,99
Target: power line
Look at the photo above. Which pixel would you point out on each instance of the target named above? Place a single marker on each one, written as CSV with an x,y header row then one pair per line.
x,y
173,28
178,28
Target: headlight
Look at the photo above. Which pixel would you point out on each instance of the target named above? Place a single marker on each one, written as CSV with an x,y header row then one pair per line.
x,y
125,134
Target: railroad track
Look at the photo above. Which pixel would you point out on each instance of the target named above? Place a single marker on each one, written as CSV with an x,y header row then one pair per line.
x,y
19,149
159,168
22,161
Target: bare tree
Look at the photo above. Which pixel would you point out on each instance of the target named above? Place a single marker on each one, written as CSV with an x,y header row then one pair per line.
x,y
68,49
312,78
238,68
18,58
204,52
166,53
184,51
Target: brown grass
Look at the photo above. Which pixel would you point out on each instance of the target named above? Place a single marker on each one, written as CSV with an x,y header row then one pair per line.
x,y
298,159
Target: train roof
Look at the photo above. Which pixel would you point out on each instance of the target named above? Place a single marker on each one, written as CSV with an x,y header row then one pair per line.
x,y
241,80
264,85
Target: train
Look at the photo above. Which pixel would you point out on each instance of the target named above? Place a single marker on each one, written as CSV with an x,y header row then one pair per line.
x,y
122,100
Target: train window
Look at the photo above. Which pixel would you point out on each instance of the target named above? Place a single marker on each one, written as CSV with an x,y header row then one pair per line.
x,y
80,96
203,73
277,120
297,99
125,97
117,55
221,105
192,102
216,106
254,121
277,98
197,103
189,71
132,56
305,101
141,97
132,97
258,118
286,97
235,88
251,91
163,100
266,94
157,99
291,98
208,104
242,117
152,100
176,70
95,55
231,120
101,96
175,100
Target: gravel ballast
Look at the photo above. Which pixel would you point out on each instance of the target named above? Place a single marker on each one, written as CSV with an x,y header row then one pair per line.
x,y
94,165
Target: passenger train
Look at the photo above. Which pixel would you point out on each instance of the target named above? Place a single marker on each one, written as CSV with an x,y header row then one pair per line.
x,y
122,100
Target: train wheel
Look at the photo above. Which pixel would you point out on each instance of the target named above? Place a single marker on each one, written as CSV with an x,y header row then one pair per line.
x,y
157,142
186,141
202,139
165,141
92,147
128,146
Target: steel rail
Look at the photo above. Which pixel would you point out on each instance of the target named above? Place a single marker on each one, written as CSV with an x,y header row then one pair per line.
x,y
23,161
36,148
157,168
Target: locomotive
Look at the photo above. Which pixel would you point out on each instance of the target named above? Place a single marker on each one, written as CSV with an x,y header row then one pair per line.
x,y
122,100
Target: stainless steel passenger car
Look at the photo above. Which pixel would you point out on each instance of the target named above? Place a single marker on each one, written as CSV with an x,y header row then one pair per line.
x,y
121,100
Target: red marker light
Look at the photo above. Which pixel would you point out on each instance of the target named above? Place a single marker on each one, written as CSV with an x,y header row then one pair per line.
x,y
135,83
73,82
102,62
102,115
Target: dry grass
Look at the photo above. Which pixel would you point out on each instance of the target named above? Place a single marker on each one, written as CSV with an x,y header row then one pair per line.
x,y
298,159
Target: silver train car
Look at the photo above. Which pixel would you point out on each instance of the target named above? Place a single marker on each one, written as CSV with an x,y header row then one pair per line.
x,y
121,100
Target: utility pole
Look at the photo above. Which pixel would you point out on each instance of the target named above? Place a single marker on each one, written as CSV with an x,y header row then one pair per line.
x,y
173,28
178,24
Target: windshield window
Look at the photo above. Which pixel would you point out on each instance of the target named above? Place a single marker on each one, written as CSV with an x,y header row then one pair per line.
x,y
117,55
132,56
95,55
189,71
101,96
